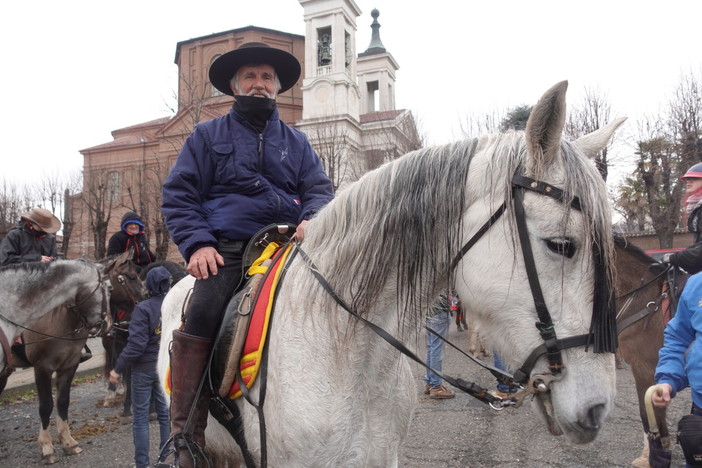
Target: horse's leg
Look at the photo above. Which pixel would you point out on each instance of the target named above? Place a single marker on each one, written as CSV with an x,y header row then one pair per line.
x,y
108,343
42,378
63,399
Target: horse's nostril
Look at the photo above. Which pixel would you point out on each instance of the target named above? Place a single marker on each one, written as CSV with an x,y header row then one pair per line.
x,y
593,418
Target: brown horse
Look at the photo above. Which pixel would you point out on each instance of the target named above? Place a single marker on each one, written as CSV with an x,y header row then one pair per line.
x,y
54,344
642,309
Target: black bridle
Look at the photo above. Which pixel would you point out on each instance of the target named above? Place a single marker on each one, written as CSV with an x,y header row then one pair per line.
x,y
552,345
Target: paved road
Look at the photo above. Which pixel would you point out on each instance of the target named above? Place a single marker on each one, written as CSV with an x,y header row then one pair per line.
x,y
457,433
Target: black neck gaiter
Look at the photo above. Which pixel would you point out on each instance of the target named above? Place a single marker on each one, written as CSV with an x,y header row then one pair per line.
x,y
256,110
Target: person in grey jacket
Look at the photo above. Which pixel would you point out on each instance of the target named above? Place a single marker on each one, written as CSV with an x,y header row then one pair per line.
x,y
32,240
235,175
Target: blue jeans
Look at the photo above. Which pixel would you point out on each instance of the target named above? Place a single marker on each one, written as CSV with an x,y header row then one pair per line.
x,y
435,347
144,385
499,363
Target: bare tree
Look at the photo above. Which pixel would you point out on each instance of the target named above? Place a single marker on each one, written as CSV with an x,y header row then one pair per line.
x,y
593,112
99,197
14,200
332,147
666,149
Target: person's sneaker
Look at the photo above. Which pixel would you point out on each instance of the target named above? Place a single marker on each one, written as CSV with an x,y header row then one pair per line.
x,y
427,389
440,393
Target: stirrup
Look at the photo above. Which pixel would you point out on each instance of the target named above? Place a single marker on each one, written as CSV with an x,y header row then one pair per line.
x,y
177,443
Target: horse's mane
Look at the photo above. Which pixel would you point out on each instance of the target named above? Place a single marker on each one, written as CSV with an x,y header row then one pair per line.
x,y
25,267
636,251
31,271
424,195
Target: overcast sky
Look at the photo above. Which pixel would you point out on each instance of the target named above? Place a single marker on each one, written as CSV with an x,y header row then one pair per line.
x,y
73,71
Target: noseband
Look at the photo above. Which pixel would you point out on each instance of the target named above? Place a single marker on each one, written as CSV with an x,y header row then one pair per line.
x,y
552,345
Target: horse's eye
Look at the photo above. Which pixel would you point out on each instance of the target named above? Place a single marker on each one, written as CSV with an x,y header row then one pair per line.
x,y
562,246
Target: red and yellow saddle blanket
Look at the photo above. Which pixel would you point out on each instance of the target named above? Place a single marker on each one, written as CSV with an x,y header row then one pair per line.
x,y
258,324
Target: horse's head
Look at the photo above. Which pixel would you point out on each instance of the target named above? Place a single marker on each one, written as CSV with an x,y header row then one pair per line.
x,y
127,285
92,300
545,258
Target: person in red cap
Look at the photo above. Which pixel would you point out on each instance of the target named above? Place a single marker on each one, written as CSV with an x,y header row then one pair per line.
x,y
32,240
234,176
690,259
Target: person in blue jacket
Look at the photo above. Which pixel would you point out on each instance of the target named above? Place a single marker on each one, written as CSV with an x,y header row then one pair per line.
x,y
235,175
141,355
680,358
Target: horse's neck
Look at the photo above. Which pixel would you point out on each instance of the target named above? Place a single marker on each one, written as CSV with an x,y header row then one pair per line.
x,y
58,287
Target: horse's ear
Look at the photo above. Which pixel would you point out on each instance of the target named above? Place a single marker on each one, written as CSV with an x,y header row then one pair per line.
x,y
126,256
545,128
594,142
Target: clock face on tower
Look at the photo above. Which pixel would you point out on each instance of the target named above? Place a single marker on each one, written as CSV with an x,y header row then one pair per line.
x,y
322,93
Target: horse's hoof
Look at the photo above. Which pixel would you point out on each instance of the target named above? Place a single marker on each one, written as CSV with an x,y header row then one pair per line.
x,y
72,450
49,459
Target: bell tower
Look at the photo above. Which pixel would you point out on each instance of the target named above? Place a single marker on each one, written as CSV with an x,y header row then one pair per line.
x,y
329,87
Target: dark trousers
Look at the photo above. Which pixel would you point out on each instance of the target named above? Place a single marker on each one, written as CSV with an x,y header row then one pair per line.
x,y
210,296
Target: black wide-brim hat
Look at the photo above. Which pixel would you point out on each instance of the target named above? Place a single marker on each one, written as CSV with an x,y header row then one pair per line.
x,y
286,66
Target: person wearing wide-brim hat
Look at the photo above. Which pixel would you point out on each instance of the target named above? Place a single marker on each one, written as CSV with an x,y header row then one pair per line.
x,y
234,176
32,240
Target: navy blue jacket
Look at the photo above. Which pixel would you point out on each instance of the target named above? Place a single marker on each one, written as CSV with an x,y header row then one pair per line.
x,y
230,181
141,352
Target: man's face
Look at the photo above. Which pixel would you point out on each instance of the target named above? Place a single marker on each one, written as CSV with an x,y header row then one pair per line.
x,y
256,81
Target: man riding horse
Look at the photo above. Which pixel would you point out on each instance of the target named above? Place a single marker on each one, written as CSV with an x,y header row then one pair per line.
x,y
235,175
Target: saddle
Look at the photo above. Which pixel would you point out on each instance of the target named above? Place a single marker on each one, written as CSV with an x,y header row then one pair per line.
x,y
242,335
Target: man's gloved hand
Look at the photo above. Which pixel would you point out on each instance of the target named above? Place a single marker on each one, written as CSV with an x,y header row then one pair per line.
x,y
666,258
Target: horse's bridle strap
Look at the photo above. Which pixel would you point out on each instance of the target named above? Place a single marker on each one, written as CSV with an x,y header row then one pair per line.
x,y
523,373
479,233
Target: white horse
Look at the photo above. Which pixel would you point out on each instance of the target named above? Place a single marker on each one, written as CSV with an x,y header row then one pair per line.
x,y
339,395
28,291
